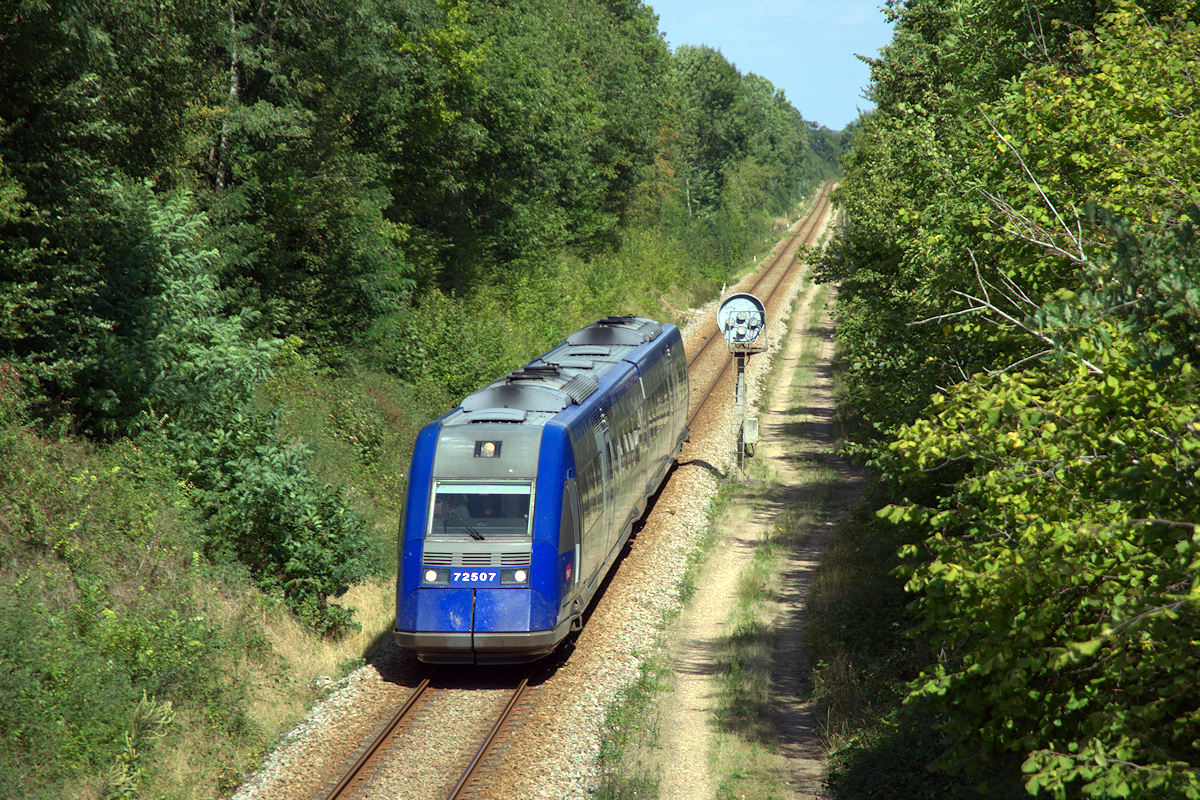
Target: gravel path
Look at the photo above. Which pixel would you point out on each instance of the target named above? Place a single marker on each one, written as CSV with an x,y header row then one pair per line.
x,y
686,730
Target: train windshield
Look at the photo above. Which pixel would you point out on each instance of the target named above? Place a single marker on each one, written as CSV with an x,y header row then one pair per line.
x,y
481,511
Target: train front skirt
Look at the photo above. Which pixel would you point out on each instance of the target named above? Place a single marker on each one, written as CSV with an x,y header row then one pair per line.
x,y
478,626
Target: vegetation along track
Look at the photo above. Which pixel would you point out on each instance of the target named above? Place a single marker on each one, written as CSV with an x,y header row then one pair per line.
x,y
475,775
765,285
549,745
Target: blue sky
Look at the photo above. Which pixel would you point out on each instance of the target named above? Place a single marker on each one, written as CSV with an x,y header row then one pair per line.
x,y
805,47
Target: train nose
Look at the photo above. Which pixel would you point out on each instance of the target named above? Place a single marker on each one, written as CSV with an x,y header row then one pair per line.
x,y
480,626
511,610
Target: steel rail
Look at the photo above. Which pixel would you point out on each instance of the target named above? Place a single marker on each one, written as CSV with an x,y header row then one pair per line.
x,y
807,226
383,736
806,232
469,772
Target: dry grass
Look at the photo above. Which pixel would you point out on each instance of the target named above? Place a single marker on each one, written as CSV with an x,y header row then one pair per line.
x,y
279,702
746,759
193,767
281,675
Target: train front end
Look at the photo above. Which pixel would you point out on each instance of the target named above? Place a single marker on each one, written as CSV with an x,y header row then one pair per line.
x,y
479,579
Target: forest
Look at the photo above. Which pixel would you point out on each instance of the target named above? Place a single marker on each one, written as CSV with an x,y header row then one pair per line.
x,y
246,250
1019,318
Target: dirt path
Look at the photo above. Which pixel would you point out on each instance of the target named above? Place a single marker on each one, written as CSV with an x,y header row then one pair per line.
x,y
802,442
796,449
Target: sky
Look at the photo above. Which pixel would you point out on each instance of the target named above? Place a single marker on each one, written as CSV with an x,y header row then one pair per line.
x,y
804,47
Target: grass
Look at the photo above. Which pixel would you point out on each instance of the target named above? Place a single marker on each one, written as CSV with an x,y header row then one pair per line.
x,y
628,761
745,760
106,608
858,623
627,770
863,655
359,425
136,666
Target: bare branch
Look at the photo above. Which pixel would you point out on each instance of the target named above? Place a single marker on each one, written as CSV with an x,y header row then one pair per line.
x,y
978,275
1090,758
1170,523
941,317
1082,258
1032,332
1032,230
1036,31
1046,244
1017,290
1150,612
1025,360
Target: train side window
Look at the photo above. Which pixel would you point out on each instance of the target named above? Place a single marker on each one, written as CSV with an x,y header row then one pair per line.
x,y
568,535
588,477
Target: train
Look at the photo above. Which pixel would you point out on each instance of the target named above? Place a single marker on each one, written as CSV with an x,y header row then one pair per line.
x,y
521,498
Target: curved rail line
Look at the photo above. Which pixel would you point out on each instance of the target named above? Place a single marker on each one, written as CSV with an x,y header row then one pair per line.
x,y
805,235
785,257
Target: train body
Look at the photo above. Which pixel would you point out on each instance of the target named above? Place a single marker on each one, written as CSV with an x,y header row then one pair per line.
x,y
521,498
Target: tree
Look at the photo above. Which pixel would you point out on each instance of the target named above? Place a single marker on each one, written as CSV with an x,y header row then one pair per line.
x,y
712,135
1018,278
299,188
96,94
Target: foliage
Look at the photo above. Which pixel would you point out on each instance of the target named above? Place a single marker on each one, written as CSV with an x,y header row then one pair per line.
x,y
260,506
168,348
76,122
712,134
359,209
1066,554
359,424
309,101
173,364
104,613
1019,311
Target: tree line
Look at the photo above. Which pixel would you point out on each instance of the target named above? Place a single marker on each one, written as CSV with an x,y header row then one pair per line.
x,y
187,185
247,247
1019,312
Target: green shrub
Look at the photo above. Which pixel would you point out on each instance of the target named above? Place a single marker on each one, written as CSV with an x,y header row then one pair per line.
x,y
261,506
359,424
102,607
66,705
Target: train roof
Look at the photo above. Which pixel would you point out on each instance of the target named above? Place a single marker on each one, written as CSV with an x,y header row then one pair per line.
x,y
568,374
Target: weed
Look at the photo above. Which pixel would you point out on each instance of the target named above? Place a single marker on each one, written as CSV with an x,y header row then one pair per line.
x,y
857,618
630,726
747,761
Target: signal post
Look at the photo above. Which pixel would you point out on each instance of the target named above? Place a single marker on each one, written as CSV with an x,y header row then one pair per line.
x,y
742,320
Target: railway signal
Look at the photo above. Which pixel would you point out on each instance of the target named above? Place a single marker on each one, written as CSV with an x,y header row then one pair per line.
x,y
742,320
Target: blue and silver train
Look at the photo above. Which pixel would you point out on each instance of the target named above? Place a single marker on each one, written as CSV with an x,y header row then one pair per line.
x,y
521,498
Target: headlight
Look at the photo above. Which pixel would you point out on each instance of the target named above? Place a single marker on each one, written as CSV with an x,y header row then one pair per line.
x,y
435,576
510,577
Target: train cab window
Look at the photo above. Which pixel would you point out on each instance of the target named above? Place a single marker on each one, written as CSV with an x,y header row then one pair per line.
x,y
480,511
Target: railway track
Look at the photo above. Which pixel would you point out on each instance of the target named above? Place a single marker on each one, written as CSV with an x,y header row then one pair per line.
x,y
482,712
764,284
424,709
